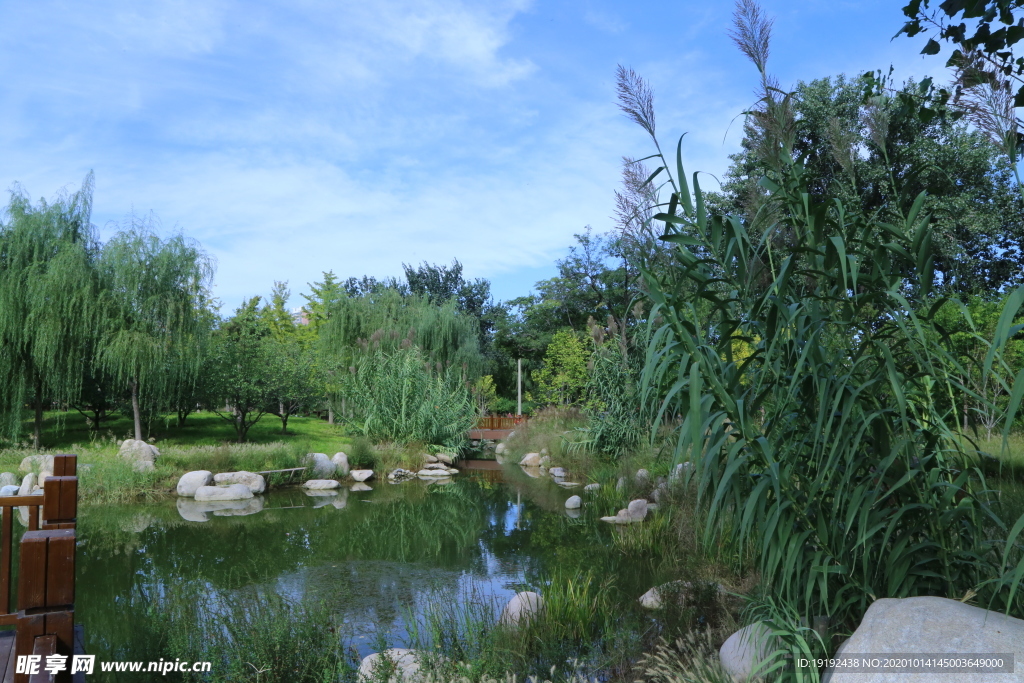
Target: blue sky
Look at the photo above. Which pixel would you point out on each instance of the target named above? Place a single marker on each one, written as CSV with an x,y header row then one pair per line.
x,y
290,138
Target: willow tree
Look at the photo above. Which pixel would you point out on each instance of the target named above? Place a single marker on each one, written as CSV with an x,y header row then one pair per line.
x,y
154,295
47,302
386,320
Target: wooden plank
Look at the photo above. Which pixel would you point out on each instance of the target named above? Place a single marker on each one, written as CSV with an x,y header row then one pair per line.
x,y
9,671
29,628
6,541
60,568
43,646
65,465
19,501
32,570
6,650
62,625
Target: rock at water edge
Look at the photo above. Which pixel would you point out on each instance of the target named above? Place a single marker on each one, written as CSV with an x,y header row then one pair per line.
x,y
590,488
27,484
190,481
573,503
556,472
642,478
8,479
9,490
320,465
340,461
745,651
521,607
254,481
361,475
530,460
232,492
499,449
318,484
637,509
620,484
446,458
938,626
405,663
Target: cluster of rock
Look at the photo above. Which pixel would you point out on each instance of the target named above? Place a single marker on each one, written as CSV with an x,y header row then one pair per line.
x,y
634,512
36,469
140,454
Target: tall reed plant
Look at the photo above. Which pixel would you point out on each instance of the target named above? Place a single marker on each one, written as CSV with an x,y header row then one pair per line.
x,y
830,445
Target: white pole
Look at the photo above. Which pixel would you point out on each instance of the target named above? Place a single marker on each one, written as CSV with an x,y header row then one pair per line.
x,y
519,387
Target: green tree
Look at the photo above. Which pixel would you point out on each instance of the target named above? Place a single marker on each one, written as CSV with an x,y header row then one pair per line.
x,y
563,377
48,303
244,368
153,301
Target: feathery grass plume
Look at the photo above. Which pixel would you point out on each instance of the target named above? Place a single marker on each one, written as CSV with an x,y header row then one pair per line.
x,y
986,95
636,99
752,32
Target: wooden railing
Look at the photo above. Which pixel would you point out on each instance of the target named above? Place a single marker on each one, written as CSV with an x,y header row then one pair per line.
x,y
44,617
497,422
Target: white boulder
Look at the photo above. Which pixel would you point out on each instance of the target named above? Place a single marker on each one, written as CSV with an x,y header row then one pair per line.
x,y
189,482
499,449
530,460
36,463
744,651
8,479
556,472
428,458
589,488
254,481
446,458
340,461
141,454
406,665
319,464
27,484
232,492
635,512
521,607
361,475
573,503
320,484
938,626
9,490
642,478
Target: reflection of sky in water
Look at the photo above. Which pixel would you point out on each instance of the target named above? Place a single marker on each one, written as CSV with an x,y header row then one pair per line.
x,y
307,546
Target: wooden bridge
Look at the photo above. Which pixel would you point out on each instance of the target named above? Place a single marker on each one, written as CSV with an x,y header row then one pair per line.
x,y
495,427
44,614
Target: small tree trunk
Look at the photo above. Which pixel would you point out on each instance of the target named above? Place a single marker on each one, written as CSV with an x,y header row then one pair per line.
x,y
330,415
284,417
135,410
37,429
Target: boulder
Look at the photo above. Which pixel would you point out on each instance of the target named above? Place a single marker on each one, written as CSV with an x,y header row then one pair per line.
x,y
428,458
37,463
620,484
679,472
232,492
436,466
8,479
936,626
190,481
590,488
642,478
254,481
744,651
636,511
340,461
404,664
545,460
659,492
359,487
567,484
655,598
572,512
43,476
573,503
136,452
446,458
521,607
27,485
499,449
9,490
361,475
543,451
531,471
530,460
320,484
432,473
401,475
319,465
452,470
556,472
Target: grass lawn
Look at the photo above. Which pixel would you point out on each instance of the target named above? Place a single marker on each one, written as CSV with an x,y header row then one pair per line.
x,y
69,431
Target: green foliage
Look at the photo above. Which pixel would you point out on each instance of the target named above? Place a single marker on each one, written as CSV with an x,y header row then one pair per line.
x,y
399,396
485,395
48,302
563,377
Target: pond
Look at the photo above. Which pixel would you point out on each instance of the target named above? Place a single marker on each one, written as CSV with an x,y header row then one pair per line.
x,y
377,558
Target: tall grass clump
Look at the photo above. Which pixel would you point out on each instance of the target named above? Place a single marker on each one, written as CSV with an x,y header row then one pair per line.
x,y
253,635
831,445
400,397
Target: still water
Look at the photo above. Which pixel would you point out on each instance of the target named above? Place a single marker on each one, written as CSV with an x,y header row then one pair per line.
x,y
377,557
